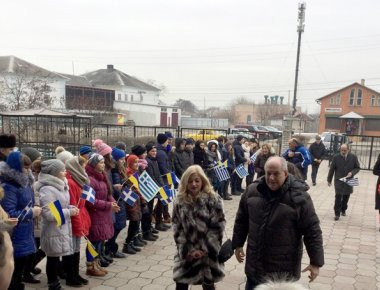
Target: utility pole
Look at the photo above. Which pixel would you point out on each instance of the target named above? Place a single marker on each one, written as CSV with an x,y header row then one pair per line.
x,y
300,29
204,106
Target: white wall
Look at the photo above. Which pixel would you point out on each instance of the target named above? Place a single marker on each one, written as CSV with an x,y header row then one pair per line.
x,y
142,115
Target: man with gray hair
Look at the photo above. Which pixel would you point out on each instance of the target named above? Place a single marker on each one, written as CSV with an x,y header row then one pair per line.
x,y
344,164
277,215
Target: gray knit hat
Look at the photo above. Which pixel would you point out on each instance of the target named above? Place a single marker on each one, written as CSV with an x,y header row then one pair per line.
x,y
95,158
52,166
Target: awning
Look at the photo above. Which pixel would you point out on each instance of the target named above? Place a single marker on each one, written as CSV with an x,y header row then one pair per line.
x,y
351,115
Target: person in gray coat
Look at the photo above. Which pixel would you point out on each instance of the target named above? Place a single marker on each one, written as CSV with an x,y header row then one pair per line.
x,y
56,241
344,164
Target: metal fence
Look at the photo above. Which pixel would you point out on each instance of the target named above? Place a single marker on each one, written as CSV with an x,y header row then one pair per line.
x,y
366,148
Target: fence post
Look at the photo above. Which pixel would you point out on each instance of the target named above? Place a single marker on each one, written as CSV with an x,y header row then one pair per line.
x,y
178,128
134,131
370,153
155,131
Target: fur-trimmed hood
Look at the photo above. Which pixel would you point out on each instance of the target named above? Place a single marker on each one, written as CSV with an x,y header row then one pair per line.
x,y
10,175
50,180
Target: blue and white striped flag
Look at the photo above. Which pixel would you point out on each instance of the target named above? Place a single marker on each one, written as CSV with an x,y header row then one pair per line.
x,y
88,194
241,171
253,157
25,211
148,188
221,173
129,196
350,181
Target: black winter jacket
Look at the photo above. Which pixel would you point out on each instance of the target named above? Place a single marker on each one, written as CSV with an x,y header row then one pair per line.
x,y
179,162
239,153
154,171
275,228
317,151
200,157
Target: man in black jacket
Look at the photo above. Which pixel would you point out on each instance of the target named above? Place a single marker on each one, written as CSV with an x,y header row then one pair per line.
x,y
344,164
236,181
277,216
317,151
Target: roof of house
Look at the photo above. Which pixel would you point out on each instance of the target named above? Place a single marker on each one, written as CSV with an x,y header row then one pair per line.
x,y
114,77
77,81
42,112
346,87
352,115
12,64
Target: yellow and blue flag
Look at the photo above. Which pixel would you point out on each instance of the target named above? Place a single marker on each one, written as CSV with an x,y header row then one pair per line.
x,y
163,194
56,210
91,254
172,178
135,180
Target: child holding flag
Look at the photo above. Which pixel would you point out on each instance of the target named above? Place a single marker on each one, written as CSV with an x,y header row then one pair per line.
x,y
18,202
77,178
56,233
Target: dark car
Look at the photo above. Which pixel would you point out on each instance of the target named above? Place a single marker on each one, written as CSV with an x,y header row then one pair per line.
x,y
259,132
274,132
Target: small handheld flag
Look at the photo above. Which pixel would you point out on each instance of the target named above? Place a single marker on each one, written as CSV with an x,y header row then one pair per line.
x,y
253,158
91,253
88,194
221,173
134,179
148,188
56,210
129,196
172,178
162,193
241,171
350,181
24,212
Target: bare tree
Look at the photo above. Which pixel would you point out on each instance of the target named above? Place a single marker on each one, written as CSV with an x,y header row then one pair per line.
x,y
186,106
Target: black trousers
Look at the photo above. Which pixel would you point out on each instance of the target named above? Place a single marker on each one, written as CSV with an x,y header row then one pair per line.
x,y
314,171
180,286
250,284
20,263
133,230
236,182
146,219
341,202
111,245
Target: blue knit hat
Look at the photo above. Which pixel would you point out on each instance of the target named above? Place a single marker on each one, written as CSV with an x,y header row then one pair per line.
x,y
117,154
85,150
14,161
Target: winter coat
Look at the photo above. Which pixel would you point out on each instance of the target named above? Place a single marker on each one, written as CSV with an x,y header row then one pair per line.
x,y
301,159
200,157
154,171
198,226
121,216
340,168
81,223
212,159
163,159
179,162
230,160
239,153
247,151
317,151
55,241
18,194
134,212
275,227
261,159
101,211
189,158
376,171
3,157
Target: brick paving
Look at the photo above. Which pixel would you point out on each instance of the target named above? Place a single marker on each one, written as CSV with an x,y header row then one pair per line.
x,y
352,249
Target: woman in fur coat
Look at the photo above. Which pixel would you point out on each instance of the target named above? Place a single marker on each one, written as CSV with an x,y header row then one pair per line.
x,y
198,224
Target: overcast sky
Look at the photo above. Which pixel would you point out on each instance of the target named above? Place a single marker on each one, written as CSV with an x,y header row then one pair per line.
x,y
218,50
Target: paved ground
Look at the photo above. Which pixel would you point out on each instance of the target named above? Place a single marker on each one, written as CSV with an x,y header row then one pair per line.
x,y
352,249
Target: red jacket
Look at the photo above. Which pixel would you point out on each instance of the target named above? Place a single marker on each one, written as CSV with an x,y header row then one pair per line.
x,y
82,222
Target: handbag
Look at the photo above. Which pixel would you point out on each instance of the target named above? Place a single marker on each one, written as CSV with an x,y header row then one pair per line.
x,y
226,251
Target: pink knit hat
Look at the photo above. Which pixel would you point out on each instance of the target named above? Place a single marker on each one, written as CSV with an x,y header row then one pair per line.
x,y
102,148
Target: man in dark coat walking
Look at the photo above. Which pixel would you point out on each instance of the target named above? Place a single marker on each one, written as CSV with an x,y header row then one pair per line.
x,y
317,151
277,215
344,164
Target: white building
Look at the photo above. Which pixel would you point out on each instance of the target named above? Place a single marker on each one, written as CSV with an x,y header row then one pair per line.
x,y
138,100
19,77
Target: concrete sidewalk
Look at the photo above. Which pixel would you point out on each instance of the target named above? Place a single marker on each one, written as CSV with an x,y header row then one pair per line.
x,y
352,248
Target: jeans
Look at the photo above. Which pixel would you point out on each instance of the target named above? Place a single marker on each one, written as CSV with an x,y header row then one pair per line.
x,y
250,284
341,201
314,171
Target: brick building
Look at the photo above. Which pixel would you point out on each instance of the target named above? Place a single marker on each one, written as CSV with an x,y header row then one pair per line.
x,y
354,109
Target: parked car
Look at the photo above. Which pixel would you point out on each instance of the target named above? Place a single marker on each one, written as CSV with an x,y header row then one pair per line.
x,y
204,134
234,132
337,139
259,131
274,132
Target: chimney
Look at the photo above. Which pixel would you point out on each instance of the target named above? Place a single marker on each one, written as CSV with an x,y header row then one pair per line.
x,y
266,99
276,99
109,67
362,82
281,100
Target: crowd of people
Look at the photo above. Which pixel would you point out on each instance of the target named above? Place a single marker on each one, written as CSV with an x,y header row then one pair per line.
x,y
30,183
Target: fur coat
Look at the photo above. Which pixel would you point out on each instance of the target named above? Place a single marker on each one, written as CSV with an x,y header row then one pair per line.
x,y
198,226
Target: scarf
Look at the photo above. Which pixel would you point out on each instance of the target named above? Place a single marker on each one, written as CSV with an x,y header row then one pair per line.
x,y
77,172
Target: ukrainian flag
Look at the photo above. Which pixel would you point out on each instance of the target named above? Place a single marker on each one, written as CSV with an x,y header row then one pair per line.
x,y
135,180
172,178
91,254
56,210
163,193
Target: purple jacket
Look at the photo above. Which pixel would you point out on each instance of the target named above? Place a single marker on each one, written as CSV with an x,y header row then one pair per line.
x,y
101,211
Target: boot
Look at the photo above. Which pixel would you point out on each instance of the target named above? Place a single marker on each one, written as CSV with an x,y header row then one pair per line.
x,y
226,196
154,231
38,257
161,227
140,238
149,237
105,256
137,242
127,249
28,278
97,265
137,249
103,262
76,269
70,269
55,286
92,270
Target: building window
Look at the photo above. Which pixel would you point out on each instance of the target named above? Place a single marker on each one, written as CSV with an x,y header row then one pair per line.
x,y
372,124
332,100
119,97
333,123
126,97
337,100
164,109
373,100
352,97
359,98
131,98
175,110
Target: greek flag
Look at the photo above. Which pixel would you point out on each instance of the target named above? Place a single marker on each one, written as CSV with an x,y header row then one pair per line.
x,y
253,158
350,181
148,188
25,211
129,196
221,173
241,171
88,194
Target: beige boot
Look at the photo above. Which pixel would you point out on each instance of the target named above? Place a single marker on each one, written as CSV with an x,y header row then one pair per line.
x,y
100,268
92,270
